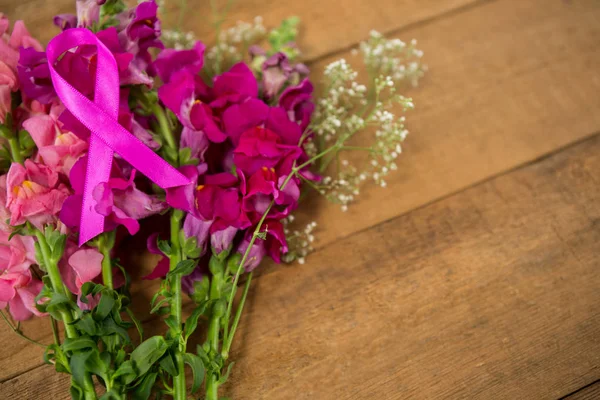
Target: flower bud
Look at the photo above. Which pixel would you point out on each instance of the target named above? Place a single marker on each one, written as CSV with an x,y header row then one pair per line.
x,y
215,265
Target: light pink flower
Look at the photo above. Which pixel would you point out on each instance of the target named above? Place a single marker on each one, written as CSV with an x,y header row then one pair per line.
x,y
10,43
58,149
79,265
34,194
17,287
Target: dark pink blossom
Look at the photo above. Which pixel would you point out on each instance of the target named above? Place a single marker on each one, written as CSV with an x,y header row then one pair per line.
x,y
274,245
297,101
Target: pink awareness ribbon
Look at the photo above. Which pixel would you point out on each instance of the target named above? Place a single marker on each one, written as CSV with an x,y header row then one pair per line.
x,y
107,135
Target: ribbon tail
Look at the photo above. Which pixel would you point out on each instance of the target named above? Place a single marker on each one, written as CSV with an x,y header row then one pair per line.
x,y
97,171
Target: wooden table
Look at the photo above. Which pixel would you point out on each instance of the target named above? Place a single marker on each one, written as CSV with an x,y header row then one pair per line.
x,y
476,273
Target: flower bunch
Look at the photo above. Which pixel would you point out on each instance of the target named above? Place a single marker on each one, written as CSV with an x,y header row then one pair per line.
x,y
238,126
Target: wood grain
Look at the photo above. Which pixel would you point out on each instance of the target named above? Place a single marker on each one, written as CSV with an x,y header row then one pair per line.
x,y
490,293
326,26
509,82
590,392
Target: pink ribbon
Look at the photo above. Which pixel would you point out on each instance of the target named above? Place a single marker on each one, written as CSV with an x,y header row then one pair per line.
x,y
107,135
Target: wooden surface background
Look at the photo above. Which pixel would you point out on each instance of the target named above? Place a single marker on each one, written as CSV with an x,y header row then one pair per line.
x,y
475,274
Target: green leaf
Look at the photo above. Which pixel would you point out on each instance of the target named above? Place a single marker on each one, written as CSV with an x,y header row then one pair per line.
x,y
126,372
87,325
197,367
80,343
144,389
148,352
190,247
96,365
78,369
226,376
168,364
104,307
158,305
59,248
184,267
191,323
137,323
164,246
284,34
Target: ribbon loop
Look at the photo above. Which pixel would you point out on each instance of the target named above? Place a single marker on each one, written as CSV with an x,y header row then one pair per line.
x,y
107,135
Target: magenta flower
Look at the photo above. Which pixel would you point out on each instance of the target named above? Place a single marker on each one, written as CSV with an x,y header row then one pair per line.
x,y
123,204
139,30
34,75
274,245
265,186
234,86
34,194
17,288
118,200
65,21
170,61
262,148
180,96
253,113
162,267
276,71
297,101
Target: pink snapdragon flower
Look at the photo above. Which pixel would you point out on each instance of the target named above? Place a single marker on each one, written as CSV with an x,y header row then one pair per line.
x,y
273,246
119,200
34,194
58,149
17,287
79,265
9,56
11,42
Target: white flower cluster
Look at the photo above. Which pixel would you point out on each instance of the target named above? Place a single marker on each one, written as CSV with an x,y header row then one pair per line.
x,y
178,40
335,113
233,43
299,242
349,107
392,57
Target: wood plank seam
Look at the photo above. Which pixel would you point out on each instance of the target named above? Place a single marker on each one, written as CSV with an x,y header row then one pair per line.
x,y
581,389
411,25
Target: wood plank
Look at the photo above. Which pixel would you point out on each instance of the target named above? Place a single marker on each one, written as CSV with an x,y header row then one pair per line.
x,y
490,293
589,392
499,101
327,26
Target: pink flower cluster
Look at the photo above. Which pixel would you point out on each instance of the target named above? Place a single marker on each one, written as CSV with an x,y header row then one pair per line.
x,y
242,130
246,148
46,188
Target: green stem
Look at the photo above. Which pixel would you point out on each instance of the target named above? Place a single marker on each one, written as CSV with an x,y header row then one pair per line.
x,y
236,320
55,331
15,149
179,388
214,328
163,124
104,245
18,332
57,285
56,281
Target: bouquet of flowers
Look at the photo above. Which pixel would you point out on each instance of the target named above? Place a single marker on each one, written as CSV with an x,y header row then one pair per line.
x,y
115,122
